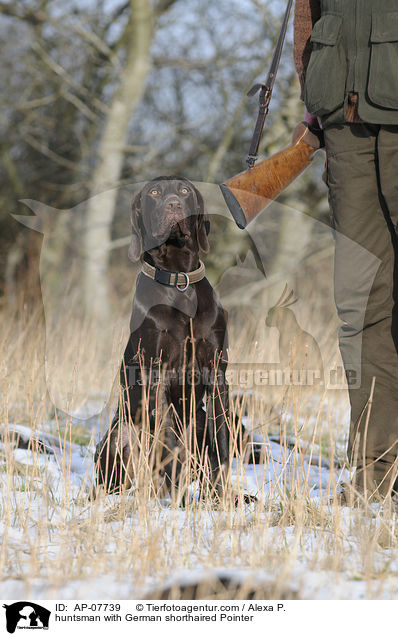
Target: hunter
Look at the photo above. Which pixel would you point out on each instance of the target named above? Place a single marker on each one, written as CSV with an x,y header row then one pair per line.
x,y
346,56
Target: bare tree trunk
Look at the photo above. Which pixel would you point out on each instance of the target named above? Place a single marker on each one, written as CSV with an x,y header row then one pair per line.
x,y
100,210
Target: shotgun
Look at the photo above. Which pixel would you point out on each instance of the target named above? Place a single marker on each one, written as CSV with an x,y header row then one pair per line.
x,y
249,192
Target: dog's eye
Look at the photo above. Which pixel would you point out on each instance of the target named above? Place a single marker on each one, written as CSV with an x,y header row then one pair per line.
x,y
154,192
184,190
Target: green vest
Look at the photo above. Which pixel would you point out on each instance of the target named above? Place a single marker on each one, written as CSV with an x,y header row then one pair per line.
x,y
354,49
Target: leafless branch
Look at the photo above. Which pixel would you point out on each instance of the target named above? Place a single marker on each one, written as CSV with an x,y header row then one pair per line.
x,y
162,6
80,105
67,78
45,150
37,103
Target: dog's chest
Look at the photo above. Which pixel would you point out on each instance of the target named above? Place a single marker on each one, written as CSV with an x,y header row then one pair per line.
x,y
153,301
171,309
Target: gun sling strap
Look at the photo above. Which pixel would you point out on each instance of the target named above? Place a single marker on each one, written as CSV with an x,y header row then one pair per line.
x,y
266,90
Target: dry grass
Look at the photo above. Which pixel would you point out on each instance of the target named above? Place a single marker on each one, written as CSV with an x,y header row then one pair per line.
x,y
56,542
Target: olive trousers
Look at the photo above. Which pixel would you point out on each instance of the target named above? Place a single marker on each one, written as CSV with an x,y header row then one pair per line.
x,y
362,178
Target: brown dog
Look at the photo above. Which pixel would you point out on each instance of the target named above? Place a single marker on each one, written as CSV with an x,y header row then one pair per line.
x,y
178,329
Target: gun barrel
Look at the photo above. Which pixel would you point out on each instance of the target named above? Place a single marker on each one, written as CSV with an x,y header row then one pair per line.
x,y
251,191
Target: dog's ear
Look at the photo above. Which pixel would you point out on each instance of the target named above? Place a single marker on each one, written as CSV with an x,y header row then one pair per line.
x,y
135,249
203,224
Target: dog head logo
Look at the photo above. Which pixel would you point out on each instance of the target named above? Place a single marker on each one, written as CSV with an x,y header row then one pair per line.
x,y
26,615
83,358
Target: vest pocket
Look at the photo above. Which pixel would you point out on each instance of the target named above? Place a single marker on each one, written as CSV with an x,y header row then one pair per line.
x,y
324,90
383,77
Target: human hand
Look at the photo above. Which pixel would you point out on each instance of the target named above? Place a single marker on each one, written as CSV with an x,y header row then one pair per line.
x,y
313,122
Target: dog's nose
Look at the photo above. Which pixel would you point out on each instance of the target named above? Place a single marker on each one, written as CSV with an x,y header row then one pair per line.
x,y
173,205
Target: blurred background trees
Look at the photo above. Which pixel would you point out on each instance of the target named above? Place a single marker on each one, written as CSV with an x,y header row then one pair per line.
x,y
101,94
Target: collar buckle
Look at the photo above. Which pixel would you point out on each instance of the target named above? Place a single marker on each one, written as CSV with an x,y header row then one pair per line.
x,y
186,285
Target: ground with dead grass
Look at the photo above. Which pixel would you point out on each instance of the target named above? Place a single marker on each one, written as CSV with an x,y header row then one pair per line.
x,y
294,541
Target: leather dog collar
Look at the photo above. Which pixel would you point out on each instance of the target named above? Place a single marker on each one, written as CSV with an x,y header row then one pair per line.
x,y
179,280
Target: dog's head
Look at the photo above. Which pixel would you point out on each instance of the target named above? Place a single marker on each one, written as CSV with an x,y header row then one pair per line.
x,y
168,210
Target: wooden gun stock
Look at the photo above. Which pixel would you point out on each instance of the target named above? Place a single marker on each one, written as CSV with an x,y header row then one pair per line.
x,y
249,192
